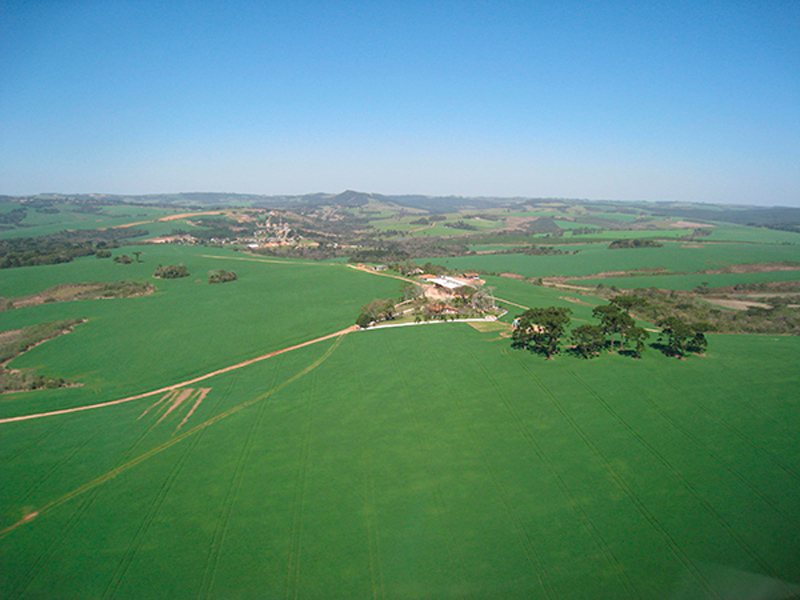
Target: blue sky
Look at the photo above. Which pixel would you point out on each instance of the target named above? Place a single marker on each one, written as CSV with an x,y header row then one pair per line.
x,y
688,101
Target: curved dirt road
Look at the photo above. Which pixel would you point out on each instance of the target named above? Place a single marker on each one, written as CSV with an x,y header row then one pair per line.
x,y
181,384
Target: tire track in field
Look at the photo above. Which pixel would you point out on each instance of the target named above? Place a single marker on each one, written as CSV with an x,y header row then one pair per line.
x,y
186,383
371,519
586,521
424,451
34,443
97,481
373,536
699,443
53,469
76,517
292,588
678,477
532,555
759,448
623,486
144,526
221,530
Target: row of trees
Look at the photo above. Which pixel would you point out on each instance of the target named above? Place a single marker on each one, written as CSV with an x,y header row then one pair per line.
x,y
541,330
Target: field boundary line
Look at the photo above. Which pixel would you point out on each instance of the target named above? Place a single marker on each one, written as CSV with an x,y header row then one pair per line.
x,y
175,386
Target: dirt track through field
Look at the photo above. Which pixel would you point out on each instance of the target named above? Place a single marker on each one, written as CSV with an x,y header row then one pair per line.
x,y
175,386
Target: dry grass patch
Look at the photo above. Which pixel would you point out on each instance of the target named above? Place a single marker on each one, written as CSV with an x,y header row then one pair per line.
x,y
68,292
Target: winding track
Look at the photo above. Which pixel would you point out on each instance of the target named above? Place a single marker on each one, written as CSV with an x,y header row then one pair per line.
x,y
181,384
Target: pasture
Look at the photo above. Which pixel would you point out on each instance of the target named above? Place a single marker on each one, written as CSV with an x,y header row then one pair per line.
x,y
418,462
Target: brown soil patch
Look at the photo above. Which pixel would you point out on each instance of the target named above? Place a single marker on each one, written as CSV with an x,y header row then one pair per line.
x,y
692,246
484,326
171,218
575,301
753,268
735,304
512,223
691,225
67,292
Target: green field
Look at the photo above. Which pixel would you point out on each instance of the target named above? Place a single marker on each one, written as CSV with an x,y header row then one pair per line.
x,y
431,461
355,469
597,258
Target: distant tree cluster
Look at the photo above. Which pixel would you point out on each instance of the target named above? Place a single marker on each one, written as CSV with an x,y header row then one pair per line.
x,y
221,276
171,272
634,243
534,250
60,247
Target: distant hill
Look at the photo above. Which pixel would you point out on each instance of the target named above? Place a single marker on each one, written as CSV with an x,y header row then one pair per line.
x,y
775,217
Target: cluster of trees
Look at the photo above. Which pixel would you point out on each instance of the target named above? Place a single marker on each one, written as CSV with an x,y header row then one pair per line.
x,y
171,272
541,330
534,250
221,276
377,310
634,243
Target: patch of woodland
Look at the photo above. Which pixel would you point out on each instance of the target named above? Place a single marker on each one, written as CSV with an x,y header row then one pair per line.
x,y
221,276
534,250
16,342
171,272
782,316
61,247
634,243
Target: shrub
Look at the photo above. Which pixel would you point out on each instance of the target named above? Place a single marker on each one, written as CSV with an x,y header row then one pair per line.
x,y
171,272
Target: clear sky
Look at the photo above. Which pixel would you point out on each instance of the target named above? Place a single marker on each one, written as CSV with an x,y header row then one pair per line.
x,y
690,101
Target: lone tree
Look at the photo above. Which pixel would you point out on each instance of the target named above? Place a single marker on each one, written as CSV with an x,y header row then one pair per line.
x,y
637,335
137,254
540,329
588,340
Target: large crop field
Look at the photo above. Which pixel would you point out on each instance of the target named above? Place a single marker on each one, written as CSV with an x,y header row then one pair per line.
x,y
244,440
417,462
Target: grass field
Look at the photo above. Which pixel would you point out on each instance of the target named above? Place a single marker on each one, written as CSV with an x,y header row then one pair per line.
x,y
597,258
357,468
69,217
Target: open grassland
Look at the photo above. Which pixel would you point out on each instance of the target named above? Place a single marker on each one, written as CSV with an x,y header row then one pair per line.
x,y
418,462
